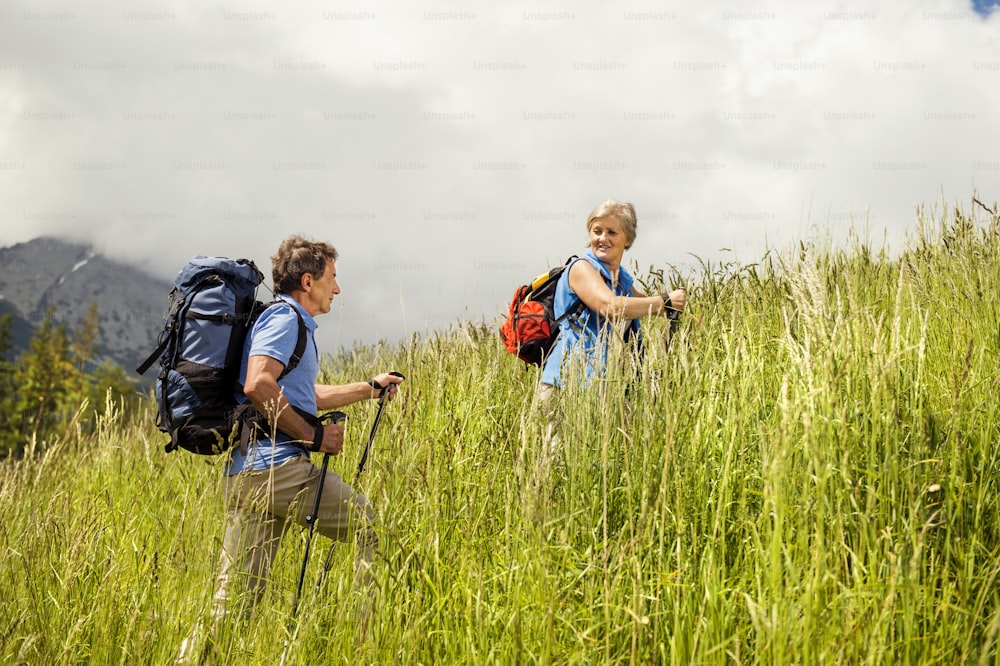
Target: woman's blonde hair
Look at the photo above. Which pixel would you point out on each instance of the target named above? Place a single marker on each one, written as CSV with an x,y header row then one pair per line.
x,y
624,211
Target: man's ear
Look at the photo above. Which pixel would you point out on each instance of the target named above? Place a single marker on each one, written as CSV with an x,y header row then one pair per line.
x,y
305,282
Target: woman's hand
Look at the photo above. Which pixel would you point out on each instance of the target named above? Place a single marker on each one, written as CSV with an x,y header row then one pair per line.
x,y
676,299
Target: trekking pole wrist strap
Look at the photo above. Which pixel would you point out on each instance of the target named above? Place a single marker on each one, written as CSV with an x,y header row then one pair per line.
x,y
378,387
317,442
669,310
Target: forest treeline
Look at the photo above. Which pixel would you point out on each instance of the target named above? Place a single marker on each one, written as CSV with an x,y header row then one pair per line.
x,y
60,384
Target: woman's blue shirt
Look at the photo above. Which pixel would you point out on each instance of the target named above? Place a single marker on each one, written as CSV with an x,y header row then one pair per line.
x,y
582,338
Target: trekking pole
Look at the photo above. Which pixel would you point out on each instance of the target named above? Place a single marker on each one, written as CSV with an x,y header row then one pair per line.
x,y
675,320
332,417
378,417
361,463
674,315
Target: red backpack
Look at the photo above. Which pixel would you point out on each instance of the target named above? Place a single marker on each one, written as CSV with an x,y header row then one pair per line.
x,y
531,327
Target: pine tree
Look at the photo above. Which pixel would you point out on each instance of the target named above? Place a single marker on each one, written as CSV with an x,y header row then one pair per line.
x,y
109,381
8,392
97,382
84,348
46,379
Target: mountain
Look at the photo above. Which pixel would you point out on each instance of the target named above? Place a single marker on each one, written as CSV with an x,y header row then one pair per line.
x,y
46,272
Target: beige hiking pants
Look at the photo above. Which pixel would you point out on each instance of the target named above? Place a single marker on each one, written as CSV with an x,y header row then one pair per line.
x,y
261,504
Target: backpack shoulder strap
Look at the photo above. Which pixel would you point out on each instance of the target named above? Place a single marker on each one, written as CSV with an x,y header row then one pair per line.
x,y
300,345
147,364
300,341
580,306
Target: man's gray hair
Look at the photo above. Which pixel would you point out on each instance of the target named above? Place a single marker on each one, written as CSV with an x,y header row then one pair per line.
x,y
297,256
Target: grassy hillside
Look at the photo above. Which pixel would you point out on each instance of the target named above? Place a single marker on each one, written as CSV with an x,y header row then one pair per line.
x,y
810,475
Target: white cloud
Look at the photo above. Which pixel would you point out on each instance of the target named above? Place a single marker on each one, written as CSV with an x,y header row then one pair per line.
x,y
453,150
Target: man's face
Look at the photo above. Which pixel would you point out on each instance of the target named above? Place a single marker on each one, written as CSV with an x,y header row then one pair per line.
x,y
320,290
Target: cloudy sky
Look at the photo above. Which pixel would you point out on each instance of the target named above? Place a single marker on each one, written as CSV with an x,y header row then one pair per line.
x,y
452,151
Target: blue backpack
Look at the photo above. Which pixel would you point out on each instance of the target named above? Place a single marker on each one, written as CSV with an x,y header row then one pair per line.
x,y
212,306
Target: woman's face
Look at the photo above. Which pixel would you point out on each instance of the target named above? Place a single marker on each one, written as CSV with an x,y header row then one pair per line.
x,y
607,240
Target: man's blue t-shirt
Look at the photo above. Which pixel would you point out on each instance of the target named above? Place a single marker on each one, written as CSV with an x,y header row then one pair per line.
x,y
274,335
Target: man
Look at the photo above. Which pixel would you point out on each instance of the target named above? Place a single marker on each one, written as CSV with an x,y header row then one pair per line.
x,y
272,481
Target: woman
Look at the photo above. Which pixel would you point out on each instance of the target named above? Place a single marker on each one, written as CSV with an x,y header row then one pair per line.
x,y
605,288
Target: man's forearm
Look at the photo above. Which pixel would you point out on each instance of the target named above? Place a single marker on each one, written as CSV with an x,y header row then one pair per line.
x,y
332,396
271,404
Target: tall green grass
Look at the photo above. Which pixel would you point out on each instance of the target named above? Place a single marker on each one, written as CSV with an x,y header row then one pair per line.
x,y
810,475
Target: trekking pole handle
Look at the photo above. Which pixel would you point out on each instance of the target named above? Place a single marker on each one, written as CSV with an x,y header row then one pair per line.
x,y
333,417
337,418
384,389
